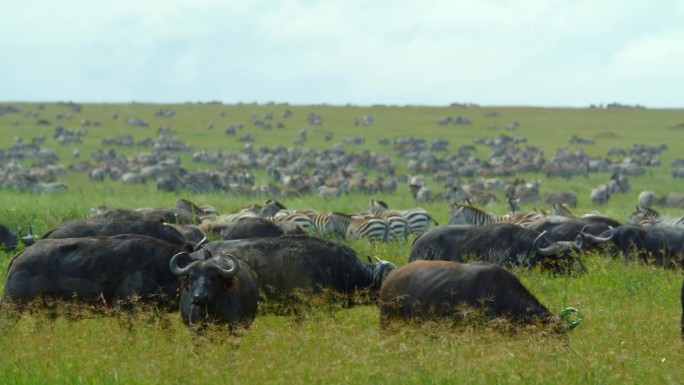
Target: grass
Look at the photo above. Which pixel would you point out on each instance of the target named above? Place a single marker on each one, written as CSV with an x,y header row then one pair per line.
x,y
630,333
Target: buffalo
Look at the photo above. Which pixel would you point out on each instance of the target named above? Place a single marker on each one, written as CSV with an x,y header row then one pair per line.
x,y
292,263
501,243
101,270
8,239
440,289
559,228
216,288
661,245
109,227
244,228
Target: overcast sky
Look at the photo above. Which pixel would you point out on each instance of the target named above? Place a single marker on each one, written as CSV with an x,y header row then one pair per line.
x,y
419,52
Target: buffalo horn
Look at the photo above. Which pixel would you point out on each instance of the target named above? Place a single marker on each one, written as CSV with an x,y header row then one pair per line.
x,y
221,260
200,244
558,247
536,240
175,269
29,239
598,239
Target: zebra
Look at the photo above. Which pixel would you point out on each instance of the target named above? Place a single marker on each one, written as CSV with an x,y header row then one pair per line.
x,y
271,207
463,214
372,228
300,219
600,194
648,199
398,226
646,216
418,218
466,214
323,225
376,207
563,197
560,210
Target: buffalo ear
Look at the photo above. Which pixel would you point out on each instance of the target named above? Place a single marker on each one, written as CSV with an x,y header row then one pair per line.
x,y
369,259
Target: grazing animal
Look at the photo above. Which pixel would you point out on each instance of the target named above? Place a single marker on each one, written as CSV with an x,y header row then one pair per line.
x,y
649,199
500,243
560,228
8,239
94,270
244,228
440,289
104,227
216,289
660,245
562,197
293,263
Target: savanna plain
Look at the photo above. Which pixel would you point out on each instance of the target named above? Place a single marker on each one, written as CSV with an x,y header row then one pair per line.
x,y
631,330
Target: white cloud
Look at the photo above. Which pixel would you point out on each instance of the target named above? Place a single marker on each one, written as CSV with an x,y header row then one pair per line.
x,y
400,51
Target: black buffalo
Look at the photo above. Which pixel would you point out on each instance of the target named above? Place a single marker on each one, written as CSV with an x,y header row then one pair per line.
x,y
661,245
440,289
292,263
501,243
101,270
217,288
8,239
245,228
109,227
559,228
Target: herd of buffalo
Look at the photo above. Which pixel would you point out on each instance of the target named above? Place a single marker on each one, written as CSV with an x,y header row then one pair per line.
x,y
162,256
221,269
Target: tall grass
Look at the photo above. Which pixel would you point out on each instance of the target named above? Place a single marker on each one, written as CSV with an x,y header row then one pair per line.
x,y
630,333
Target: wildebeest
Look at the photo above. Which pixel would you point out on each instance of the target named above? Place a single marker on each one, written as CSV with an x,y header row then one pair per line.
x,y
500,243
94,270
442,289
292,263
108,227
658,244
216,288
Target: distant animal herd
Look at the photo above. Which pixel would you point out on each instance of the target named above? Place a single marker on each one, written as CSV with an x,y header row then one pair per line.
x,y
216,267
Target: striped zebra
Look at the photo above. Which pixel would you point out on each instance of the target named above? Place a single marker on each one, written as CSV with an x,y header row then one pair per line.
x,y
300,219
398,226
648,216
376,207
418,218
469,215
271,207
648,199
234,217
600,194
372,228
324,226
560,210
462,214
564,197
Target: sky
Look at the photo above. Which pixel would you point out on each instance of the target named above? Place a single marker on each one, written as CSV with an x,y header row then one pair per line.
x,y
360,52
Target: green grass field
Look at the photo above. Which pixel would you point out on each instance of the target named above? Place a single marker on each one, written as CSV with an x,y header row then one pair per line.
x,y
630,333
